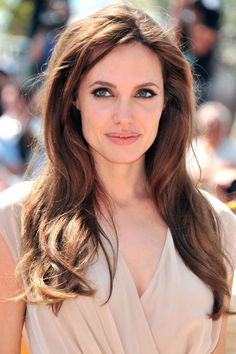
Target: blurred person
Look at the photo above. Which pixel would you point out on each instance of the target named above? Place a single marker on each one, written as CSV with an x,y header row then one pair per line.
x,y
11,127
119,251
34,132
14,150
199,23
6,178
213,147
224,183
4,79
48,18
214,122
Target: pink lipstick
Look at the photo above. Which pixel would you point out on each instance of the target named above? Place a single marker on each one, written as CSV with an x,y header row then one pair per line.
x,y
123,138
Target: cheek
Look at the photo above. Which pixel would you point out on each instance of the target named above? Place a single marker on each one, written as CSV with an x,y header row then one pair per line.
x,y
94,117
91,125
153,125
154,118
154,131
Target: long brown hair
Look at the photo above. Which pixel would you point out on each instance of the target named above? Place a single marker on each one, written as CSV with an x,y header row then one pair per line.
x,y
61,232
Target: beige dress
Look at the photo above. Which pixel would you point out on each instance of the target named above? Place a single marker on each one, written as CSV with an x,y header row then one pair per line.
x,y
169,318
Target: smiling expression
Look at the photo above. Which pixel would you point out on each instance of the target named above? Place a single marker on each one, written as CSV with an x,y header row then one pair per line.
x,y
121,100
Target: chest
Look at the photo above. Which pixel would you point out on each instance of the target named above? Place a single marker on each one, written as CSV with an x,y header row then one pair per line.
x,y
141,242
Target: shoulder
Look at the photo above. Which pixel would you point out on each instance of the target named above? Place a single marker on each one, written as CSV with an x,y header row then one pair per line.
x,y
11,203
221,209
15,195
227,221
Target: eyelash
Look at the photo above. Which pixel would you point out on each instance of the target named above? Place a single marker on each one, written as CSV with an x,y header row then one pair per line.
x,y
96,92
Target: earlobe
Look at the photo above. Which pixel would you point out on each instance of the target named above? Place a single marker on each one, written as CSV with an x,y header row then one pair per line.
x,y
165,103
76,103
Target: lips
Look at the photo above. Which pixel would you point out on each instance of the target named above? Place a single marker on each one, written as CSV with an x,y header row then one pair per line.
x,y
123,138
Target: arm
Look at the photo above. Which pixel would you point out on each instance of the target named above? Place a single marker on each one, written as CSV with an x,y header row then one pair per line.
x,y
11,313
221,345
228,225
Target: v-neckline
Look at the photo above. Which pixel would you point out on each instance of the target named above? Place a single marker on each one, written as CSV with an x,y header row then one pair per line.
x,y
156,271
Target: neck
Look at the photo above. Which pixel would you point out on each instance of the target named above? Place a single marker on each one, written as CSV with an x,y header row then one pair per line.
x,y
124,183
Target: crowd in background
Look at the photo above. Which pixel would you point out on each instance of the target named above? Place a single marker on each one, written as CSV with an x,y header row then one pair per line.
x,y
198,27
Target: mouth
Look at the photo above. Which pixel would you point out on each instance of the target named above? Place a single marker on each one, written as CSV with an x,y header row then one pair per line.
x,y
123,138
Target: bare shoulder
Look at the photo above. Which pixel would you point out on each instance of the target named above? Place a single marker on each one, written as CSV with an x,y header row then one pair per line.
x,y
10,284
221,344
11,312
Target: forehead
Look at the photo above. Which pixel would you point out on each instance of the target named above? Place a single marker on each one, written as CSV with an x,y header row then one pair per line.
x,y
128,62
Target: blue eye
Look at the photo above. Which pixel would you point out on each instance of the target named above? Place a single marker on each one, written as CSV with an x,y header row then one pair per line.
x,y
101,92
146,93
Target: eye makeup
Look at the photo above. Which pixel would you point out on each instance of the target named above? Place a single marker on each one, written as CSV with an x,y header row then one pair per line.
x,y
142,93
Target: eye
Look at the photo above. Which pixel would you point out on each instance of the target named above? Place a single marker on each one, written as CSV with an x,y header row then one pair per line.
x,y
101,92
146,93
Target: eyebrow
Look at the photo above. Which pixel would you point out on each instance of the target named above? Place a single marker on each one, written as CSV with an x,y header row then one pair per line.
x,y
109,84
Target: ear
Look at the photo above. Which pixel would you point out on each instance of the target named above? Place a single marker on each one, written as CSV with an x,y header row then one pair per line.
x,y
76,103
165,102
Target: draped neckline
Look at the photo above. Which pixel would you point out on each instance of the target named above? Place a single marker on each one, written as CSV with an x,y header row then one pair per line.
x,y
155,273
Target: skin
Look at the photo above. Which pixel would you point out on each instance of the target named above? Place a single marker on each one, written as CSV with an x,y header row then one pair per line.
x,y
11,312
124,104
127,104
212,128
120,168
109,102
122,109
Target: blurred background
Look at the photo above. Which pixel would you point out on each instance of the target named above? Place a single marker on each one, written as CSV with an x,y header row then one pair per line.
x,y
206,32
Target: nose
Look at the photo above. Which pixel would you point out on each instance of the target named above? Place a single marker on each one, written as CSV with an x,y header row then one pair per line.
x,y
123,113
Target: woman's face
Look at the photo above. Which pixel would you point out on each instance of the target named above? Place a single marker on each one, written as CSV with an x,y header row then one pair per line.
x,y
121,101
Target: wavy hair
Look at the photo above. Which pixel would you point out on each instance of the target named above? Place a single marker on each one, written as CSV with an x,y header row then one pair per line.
x,y
61,231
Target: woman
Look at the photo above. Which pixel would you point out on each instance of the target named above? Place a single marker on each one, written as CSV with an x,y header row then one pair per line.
x,y
129,255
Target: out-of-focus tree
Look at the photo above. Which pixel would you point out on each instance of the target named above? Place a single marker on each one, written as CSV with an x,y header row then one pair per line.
x,y
20,19
16,14
229,34
21,12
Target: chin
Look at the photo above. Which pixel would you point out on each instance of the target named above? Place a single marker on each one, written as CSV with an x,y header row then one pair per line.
x,y
118,157
124,159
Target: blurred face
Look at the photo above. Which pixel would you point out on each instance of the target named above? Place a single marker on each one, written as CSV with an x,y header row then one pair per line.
x,y
211,125
9,97
203,39
121,101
